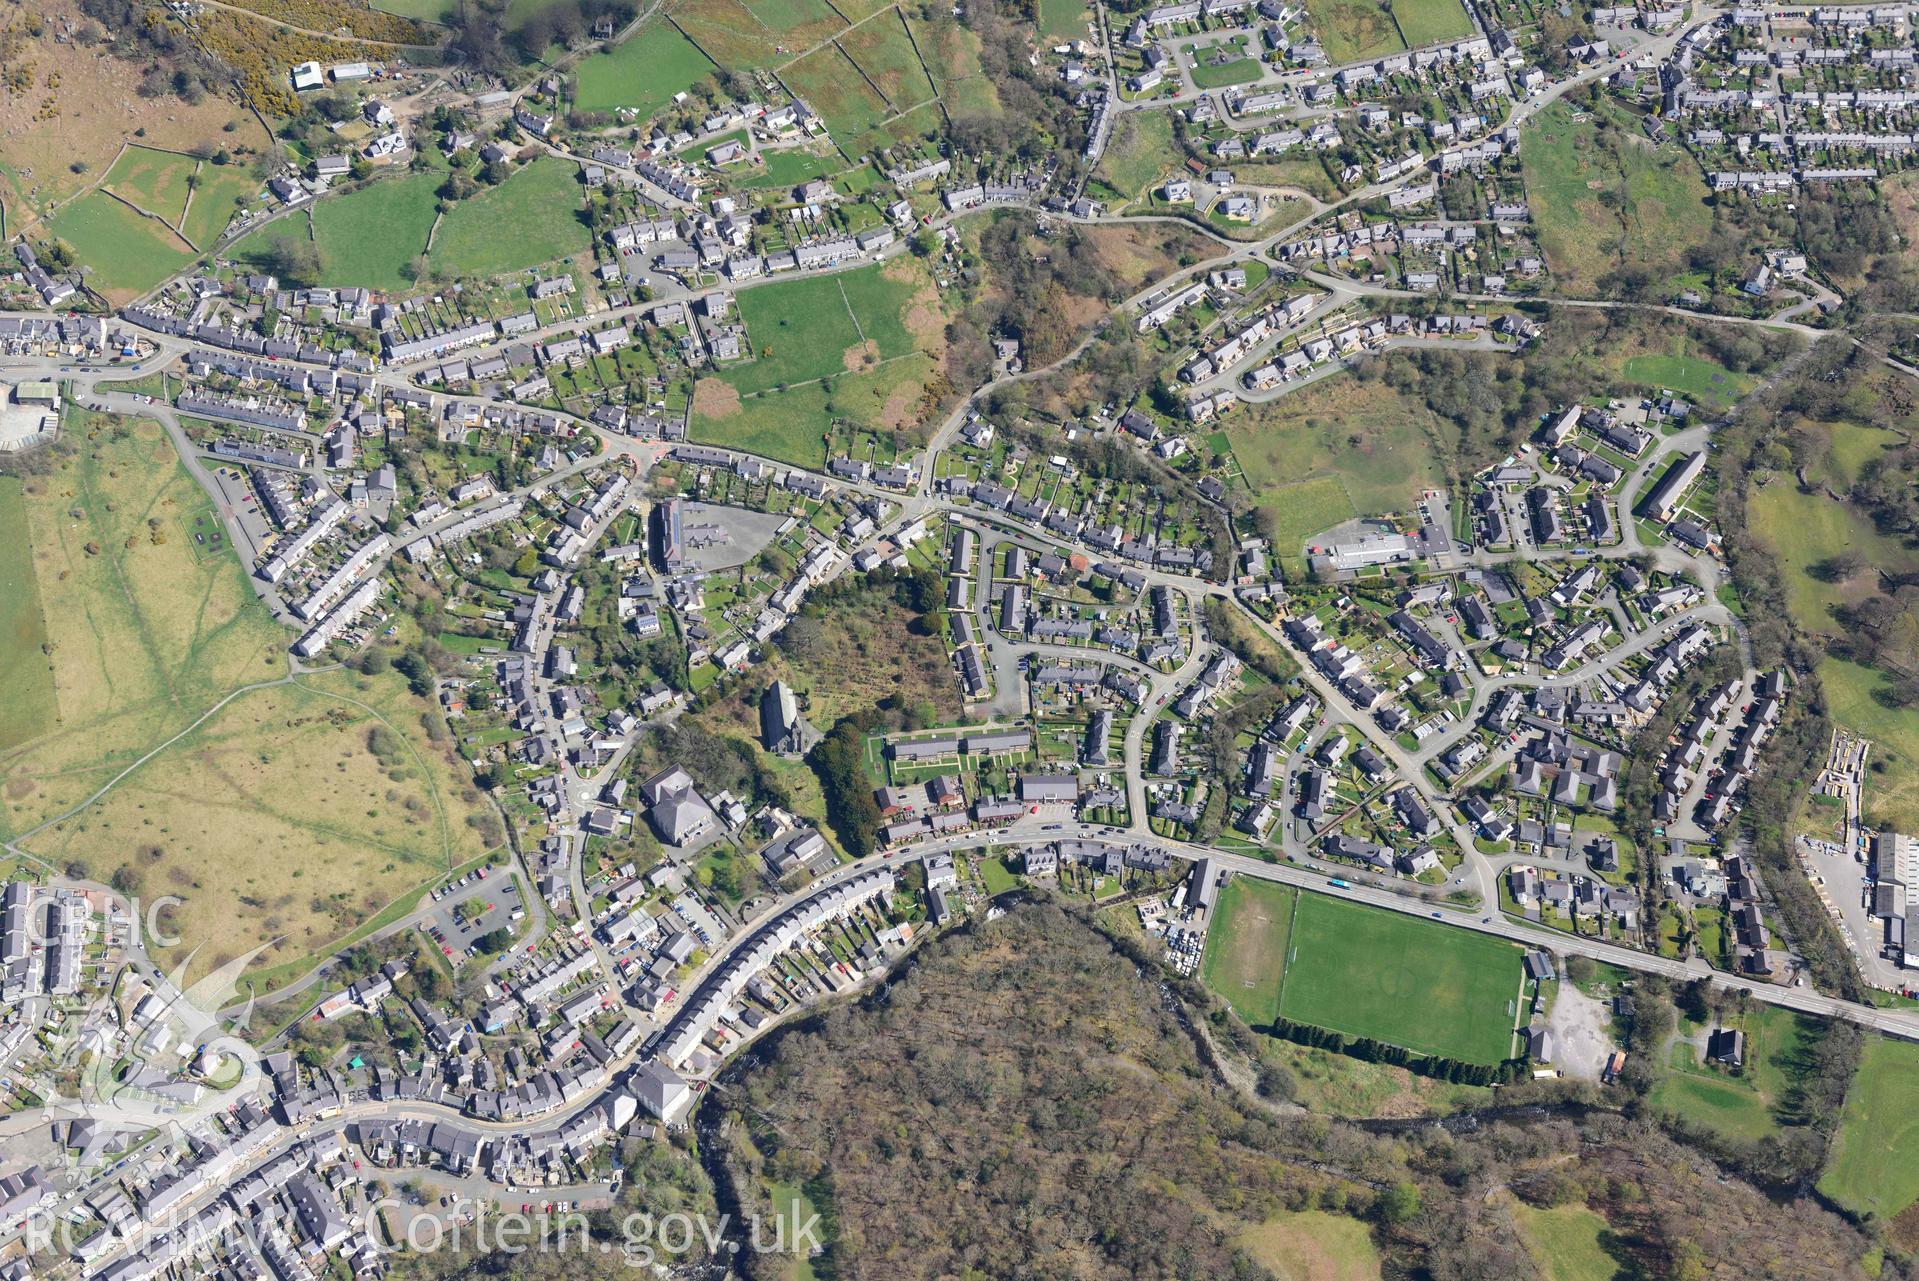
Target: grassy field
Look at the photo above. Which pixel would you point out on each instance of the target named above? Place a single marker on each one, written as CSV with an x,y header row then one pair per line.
x,y
1849,447
154,180
811,328
831,84
643,74
1740,1107
1360,441
788,425
125,254
1141,151
857,348
1245,958
1425,22
788,169
1307,509
728,33
1700,381
1313,1245
1568,1242
531,218
1396,978
370,237
26,677
1062,19
1339,1085
1239,71
1871,1167
1353,29
884,51
143,634
222,189
1658,202
284,821
1801,530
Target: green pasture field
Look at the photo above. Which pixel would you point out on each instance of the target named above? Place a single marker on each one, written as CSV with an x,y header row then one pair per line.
x,y
952,55
1568,1242
1313,1245
222,189
811,328
1659,205
1062,19
642,74
126,254
1366,438
1425,22
419,10
370,237
1741,1107
1138,154
789,425
1351,30
531,218
1852,699
788,169
142,633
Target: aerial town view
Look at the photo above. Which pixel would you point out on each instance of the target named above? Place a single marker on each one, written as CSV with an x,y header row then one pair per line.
x,y
869,639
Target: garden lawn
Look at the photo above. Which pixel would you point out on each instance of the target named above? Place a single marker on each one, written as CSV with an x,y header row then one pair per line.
x,y
1396,978
1245,960
125,253
531,218
642,74
1737,1107
1871,1166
